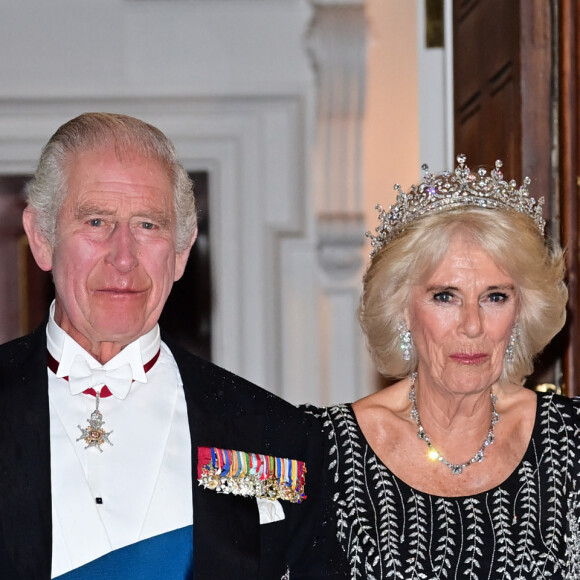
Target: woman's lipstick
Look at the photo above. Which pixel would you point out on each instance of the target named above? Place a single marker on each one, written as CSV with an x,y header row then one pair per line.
x,y
469,359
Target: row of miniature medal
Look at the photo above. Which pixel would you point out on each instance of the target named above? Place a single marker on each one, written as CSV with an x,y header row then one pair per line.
x,y
251,474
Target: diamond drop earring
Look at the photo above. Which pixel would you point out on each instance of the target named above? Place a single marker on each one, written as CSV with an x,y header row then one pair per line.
x,y
405,341
511,347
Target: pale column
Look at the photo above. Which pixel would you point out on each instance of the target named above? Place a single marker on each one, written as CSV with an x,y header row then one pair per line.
x,y
337,43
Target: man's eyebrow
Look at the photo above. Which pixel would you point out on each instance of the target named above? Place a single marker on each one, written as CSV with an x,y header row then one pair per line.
x,y
83,211
157,216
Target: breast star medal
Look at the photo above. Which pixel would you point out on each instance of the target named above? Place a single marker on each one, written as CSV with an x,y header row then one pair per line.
x,y
94,435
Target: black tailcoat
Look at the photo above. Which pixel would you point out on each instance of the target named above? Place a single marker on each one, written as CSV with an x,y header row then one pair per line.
x,y
223,411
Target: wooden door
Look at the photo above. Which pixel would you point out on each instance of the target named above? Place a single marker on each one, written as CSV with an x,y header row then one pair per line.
x,y
486,82
569,173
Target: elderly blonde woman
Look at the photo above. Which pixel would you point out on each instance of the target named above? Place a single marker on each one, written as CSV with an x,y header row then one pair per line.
x,y
457,470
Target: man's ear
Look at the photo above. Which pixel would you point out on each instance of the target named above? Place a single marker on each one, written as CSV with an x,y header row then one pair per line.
x,y
39,246
181,258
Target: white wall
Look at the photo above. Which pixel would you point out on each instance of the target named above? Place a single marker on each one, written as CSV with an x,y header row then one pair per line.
x,y
152,47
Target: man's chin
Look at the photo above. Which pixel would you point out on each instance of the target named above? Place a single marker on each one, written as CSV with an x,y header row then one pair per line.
x,y
118,329
119,314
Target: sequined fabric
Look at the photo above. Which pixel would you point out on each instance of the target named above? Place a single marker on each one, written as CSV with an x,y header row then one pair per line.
x,y
527,527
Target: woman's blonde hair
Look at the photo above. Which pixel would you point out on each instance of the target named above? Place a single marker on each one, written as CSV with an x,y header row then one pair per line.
x,y
516,246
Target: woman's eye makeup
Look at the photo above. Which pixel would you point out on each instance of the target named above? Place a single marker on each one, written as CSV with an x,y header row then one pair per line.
x,y
443,296
498,297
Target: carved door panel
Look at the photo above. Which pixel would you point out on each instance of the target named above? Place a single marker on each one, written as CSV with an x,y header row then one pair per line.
x,y
486,68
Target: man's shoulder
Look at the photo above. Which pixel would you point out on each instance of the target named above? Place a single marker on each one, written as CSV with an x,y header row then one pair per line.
x,y
22,370
219,386
17,352
226,410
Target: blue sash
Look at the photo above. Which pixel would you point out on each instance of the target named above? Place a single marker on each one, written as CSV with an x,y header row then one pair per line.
x,y
168,556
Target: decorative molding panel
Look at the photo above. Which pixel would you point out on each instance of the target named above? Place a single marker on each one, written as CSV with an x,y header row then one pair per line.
x,y
337,44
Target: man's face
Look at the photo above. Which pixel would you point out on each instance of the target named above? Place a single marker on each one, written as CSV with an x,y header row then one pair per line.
x,y
114,260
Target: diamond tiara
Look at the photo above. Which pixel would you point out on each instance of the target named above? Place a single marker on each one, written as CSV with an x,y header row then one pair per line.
x,y
448,190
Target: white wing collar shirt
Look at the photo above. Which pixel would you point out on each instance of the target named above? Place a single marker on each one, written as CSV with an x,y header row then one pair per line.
x,y
139,485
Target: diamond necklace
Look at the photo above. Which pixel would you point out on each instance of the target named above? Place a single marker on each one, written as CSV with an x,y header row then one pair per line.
x,y
456,468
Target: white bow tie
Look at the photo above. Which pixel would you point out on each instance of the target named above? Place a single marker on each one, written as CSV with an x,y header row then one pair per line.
x,y
82,376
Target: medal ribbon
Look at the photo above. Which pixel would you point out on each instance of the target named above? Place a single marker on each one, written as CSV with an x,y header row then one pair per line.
x,y
251,474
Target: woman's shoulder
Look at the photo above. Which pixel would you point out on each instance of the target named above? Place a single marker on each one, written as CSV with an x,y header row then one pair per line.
x,y
392,400
562,402
329,415
568,407
559,416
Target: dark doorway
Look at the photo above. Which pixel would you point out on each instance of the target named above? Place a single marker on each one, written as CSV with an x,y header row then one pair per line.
x,y
187,314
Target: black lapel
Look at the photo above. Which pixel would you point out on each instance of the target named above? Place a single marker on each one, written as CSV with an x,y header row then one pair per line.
x,y
226,528
25,498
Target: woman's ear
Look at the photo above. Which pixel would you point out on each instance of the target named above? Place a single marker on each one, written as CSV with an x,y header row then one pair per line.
x,y
40,247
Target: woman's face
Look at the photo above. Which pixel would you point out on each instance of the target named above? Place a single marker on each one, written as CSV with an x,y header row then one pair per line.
x,y
461,319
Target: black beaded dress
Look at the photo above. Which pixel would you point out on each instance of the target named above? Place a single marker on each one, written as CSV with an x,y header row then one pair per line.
x,y
527,527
